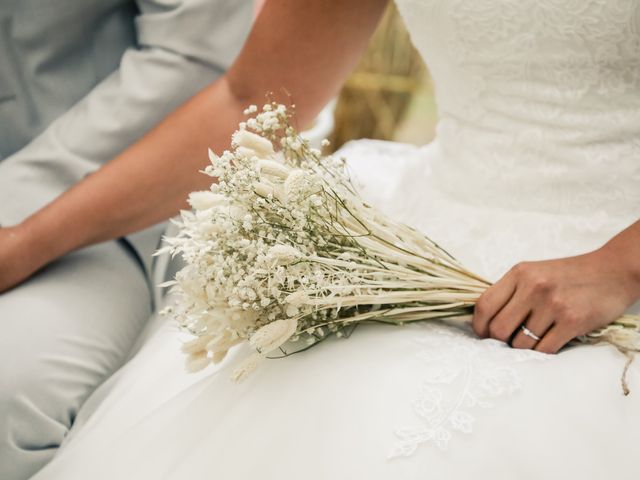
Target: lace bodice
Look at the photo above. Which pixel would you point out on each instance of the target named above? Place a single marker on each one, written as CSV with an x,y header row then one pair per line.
x,y
539,101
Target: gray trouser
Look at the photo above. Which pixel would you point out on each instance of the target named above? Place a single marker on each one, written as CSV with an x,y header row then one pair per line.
x,y
61,334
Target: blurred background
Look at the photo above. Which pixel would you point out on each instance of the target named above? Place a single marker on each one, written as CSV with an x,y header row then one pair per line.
x,y
389,96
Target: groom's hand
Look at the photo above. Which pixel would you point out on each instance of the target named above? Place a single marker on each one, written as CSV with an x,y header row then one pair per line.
x,y
555,301
20,256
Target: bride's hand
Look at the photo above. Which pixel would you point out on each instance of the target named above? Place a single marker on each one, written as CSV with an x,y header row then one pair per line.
x,y
556,300
19,256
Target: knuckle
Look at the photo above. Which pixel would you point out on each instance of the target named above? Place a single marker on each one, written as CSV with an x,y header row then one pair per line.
x,y
497,331
558,305
540,284
481,307
572,318
520,268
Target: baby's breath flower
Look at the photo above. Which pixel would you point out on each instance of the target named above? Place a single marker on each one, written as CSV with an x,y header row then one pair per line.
x,y
295,184
252,123
297,298
250,110
284,254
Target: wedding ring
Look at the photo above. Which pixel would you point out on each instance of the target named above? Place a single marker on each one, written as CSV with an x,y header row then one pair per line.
x,y
529,333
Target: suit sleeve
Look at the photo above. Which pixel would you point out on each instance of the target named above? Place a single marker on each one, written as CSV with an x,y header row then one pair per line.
x,y
183,45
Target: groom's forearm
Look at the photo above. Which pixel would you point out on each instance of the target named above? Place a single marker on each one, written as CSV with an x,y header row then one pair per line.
x,y
146,184
306,48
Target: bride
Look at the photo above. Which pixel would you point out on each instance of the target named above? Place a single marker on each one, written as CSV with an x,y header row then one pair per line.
x,y
536,159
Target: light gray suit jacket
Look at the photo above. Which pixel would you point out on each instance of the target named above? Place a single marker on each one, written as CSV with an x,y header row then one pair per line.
x,y
80,80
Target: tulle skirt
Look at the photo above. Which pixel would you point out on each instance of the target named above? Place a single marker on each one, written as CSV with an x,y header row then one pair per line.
x,y
421,401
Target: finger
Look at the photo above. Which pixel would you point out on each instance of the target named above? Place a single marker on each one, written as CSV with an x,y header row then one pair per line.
x,y
512,315
556,338
491,302
539,322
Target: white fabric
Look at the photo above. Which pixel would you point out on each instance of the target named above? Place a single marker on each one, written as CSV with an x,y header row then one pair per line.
x,y
537,156
178,47
79,81
64,332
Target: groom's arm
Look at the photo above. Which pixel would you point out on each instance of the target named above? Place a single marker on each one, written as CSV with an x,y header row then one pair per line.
x,y
181,47
307,48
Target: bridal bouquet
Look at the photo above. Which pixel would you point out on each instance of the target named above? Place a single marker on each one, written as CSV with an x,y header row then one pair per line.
x,y
281,252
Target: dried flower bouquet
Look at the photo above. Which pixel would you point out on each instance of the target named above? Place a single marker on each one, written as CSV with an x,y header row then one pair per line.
x,y
282,249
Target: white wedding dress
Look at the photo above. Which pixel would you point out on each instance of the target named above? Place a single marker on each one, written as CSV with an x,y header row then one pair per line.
x,y
537,156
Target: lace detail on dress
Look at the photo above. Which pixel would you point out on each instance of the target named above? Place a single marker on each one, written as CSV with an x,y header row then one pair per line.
x,y
539,101
398,179
536,156
461,374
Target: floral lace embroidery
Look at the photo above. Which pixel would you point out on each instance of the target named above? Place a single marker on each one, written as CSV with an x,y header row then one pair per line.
x,y
537,155
461,374
538,101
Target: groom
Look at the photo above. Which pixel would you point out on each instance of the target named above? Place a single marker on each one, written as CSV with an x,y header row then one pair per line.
x,y
80,80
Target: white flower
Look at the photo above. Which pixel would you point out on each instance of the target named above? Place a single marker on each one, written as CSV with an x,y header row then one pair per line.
x,y
263,189
276,169
627,338
260,145
273,335
297,298
197,361
284,254
197,345
295,184
293,142
218,356
247,222
251,109
278,228
222,343
316,200
205,200
247,153
237,212
248,366
213,158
